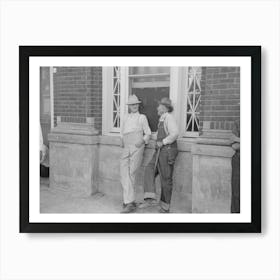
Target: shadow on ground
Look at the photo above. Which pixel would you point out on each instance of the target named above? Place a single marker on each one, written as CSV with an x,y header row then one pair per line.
x,y
55,200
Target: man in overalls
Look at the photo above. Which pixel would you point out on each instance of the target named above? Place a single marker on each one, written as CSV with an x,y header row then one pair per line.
x,y
163,159
135,134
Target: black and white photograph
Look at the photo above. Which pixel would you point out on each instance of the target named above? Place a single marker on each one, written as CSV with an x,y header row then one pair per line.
x,y
109,131
144,140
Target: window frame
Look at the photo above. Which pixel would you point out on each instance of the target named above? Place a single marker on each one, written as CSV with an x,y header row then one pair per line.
x,y
178,86
185,80
107,99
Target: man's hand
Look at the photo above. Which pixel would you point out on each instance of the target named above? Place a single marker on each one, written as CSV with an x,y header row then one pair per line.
x,y
139,143
159,144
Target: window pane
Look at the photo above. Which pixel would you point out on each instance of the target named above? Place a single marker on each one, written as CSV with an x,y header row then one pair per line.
x,y
193,99
116,96
148,70
149,74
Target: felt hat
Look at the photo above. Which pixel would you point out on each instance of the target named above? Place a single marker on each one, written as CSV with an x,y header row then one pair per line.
x,y
133,99
167,103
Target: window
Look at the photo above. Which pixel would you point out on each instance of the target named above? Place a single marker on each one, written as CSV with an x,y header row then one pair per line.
x,y
150,84
116,97
114,81
181,84
193,95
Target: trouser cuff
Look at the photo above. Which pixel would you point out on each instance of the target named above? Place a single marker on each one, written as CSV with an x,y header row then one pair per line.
x,y
164,205
149,195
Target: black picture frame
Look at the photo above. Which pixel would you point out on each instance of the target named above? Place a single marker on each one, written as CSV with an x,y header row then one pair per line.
x,y
25,52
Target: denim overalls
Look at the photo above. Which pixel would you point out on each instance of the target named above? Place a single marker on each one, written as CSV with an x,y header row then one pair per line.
x,y
165,166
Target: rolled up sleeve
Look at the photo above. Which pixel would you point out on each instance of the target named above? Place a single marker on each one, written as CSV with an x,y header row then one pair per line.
x,y
146,129
172,129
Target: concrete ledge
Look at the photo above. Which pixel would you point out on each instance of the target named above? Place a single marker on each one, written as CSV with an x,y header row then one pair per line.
x,y
215,141
73,138
217,133
184,145
110,140
211,150
75,128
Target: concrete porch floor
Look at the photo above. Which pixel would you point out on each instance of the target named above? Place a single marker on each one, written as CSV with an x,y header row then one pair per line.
x,y
60,201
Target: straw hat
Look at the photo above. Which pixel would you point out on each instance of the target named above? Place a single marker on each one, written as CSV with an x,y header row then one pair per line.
x,y
133,99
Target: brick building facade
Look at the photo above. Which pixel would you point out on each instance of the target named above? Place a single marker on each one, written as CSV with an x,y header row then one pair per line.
x,y
89,102
220,100
78,94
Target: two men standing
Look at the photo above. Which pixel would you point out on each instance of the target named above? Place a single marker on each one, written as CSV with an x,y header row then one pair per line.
x,y
135,134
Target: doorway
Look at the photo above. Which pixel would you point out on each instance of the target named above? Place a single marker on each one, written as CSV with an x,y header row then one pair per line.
x,y
150,85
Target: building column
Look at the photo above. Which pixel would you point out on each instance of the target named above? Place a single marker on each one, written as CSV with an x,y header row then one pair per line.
x,y
74,138
213,152
212,176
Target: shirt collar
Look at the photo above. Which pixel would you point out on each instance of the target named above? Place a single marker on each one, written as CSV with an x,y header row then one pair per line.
x,y
163,116
134,114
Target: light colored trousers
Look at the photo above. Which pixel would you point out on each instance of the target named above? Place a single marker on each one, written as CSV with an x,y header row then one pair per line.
x,y
130,162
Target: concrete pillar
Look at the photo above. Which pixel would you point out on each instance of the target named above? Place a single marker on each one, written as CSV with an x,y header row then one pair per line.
x,y
212,174
74,158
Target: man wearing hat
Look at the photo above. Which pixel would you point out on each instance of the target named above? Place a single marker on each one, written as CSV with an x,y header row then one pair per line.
x,y
163,159
135,132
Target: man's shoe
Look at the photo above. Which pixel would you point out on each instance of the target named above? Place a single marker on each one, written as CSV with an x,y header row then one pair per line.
x,y
148,202
161,210
129,208
125,204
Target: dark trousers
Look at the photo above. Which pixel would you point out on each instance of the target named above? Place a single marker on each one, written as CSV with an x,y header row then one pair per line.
x,y
235,183
44,171
165,169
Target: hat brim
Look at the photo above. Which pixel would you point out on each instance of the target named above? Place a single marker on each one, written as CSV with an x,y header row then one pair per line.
x,y
168,106
134,103
165,104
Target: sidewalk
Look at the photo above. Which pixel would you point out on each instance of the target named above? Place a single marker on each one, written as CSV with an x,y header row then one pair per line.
x,y
60,201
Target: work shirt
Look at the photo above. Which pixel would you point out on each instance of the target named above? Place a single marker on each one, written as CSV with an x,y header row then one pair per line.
x,y
170,127
134,122
44,149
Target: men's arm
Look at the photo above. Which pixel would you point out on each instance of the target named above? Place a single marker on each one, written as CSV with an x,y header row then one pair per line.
x,y
146,129
122,125
122,129
173,131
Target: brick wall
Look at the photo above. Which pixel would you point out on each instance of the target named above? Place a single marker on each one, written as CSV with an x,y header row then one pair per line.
x,y
220,98
78,94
